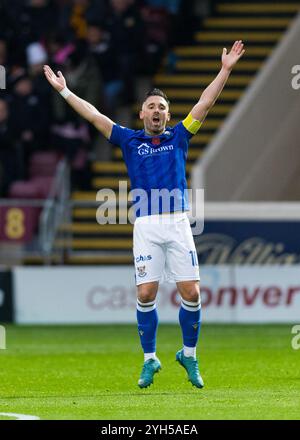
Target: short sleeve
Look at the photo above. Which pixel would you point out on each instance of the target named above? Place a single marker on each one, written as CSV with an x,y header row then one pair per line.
x,y
120,135
183,131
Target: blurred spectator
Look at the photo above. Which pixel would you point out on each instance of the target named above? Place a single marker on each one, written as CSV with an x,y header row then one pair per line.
x,y
157,30
84,79
124,23
29,115
8,153
72,136
172,6
3,52
36,58
100,46
105,54
72,20
3,62
78,19
59,48
72,139
182,20
97,10
38,17
7,14
82,76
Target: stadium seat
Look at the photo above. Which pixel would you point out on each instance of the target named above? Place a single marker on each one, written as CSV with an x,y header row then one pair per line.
x,y
43,164
44,158
37,188
24,190
43,183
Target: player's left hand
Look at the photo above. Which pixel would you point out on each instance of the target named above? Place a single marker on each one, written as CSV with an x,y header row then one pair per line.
x,y
231,58
58,81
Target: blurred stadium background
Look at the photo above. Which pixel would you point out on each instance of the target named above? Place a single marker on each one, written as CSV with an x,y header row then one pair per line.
x,y
59,266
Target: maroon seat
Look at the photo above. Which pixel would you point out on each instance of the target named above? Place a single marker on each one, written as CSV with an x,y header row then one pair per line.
x,y
27,190
80,159
22,189
43,163
43,183
44,158
42,168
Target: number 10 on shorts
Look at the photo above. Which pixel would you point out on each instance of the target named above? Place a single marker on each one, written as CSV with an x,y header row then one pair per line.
x,y
194,258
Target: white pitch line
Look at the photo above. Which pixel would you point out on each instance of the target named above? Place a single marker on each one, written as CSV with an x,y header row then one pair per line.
x,y
19,416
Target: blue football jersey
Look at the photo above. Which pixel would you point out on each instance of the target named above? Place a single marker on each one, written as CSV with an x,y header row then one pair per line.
x,y
156,167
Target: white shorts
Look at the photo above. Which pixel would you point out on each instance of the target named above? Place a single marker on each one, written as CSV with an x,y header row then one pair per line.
x,y
164,249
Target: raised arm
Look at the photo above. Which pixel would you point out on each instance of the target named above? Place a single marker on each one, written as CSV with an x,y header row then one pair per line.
x,y
82,107
211,93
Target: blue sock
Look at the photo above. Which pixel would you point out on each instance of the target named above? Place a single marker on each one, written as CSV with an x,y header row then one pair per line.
x,y
190,322
147,319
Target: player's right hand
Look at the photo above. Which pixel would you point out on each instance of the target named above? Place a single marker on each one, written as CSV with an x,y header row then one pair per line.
x,y
57,81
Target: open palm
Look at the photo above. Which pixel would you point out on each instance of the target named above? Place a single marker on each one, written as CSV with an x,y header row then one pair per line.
x,y
230,59
57,81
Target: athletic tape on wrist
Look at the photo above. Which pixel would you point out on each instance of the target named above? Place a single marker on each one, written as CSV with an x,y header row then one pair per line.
x,y
65,92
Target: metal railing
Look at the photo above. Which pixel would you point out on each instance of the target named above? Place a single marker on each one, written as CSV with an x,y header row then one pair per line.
x,y
56,212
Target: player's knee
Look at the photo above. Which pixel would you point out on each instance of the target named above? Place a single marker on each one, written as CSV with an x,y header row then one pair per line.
x,y
146,297
192,294
146,293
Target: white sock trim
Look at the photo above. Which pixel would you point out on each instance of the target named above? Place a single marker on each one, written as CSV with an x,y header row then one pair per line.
x,y
191,303
148,356
189,351
190,306
145,307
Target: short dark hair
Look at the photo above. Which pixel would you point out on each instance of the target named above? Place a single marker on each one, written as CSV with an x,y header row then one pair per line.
x,y
157,92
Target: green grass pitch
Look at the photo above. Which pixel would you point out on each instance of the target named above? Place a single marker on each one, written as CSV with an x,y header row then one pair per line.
x,y
91,372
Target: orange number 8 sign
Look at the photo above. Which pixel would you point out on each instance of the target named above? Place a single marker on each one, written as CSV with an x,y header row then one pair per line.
x,y
14,225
